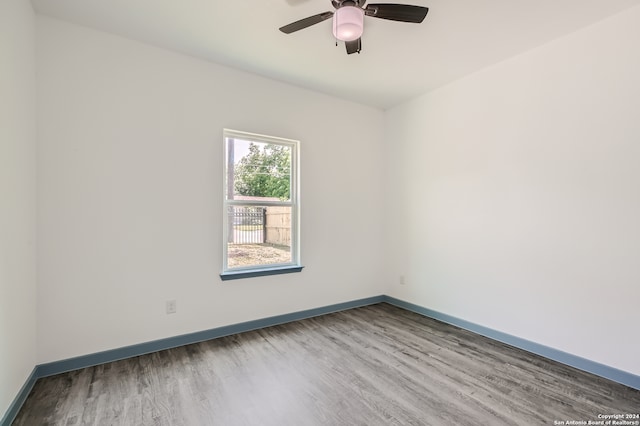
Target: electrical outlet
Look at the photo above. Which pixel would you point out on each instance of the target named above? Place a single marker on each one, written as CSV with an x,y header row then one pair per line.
x,y
171,307
402,281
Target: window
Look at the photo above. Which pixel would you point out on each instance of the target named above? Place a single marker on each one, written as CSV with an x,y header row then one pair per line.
x,y
261,207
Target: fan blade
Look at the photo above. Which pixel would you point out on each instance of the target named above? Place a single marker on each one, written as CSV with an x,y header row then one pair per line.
x,y
306,22
397,12
354,46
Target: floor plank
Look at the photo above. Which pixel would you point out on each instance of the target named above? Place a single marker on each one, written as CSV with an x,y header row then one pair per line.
x,y
376,365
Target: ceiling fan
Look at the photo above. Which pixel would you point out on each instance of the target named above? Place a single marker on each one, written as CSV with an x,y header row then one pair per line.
x,y
349,16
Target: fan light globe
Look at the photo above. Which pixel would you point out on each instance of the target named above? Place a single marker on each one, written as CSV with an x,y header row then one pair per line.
x,y
348,23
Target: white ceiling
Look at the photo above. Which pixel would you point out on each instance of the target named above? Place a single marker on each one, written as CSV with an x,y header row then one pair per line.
x,y
398,60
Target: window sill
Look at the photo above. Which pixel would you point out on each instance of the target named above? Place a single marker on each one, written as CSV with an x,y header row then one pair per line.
x,y
259,272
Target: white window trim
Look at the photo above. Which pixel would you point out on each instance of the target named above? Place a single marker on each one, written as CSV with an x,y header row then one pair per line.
x,y
271,269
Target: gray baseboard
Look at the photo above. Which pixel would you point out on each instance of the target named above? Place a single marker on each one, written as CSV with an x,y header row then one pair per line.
x,y
575,361
23,393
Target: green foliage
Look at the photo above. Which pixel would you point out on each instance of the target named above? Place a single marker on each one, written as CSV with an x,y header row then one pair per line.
x,y
264,173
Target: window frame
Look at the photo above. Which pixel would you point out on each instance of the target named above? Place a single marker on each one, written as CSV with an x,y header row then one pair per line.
x,y
294,203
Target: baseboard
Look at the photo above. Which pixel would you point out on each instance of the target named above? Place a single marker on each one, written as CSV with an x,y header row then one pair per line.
x,y
57,367
15,406
571,360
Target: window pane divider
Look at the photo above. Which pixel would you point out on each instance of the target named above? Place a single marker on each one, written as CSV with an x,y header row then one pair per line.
x,y
259,203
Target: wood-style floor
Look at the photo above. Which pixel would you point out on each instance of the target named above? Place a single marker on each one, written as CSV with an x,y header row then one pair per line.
x,y
377,365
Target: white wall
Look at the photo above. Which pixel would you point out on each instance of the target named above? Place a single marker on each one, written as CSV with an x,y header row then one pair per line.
x,y
17,198
130,157
517,195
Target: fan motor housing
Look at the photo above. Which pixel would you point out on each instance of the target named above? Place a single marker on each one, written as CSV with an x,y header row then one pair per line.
x,y
339,3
